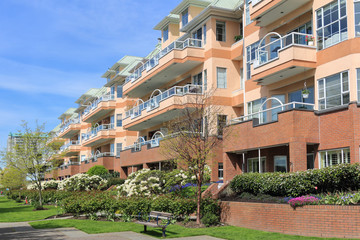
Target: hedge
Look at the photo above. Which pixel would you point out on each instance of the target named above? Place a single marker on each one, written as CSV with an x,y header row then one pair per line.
x,y
341,177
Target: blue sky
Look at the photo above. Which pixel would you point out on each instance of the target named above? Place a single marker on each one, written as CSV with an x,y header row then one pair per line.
x,y
53,51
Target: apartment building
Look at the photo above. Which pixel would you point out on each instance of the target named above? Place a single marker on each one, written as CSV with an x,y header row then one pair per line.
x,y
284,72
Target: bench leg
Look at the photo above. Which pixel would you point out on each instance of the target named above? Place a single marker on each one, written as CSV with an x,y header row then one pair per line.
x,y
145,228
163,232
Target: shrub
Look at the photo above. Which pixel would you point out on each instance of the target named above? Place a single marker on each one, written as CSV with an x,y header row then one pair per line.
x,y
115,181
82,182
210,219
340,177
97,170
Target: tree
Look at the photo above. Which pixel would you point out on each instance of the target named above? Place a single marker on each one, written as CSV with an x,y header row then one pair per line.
x,y
194,136
12,178
31,154
98,170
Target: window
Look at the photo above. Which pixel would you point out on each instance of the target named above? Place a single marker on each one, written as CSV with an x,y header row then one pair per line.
x,y
197,34
112,148
205,79
254,107
277,106
197,79
184,17
331,24
357,18
82,158
358,83
118,149
247,12
221,77
297,96
119,91
251,56
119,120
253,164
333,157
221,123
301,39
204,34
220,31
220,170
334,90
241,78
280,164
165,34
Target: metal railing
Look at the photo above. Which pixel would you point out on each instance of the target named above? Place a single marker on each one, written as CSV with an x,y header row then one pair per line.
x,y
65,166
271,50
154,102
66,125
67,145
271,114
93,105
154,61
94,131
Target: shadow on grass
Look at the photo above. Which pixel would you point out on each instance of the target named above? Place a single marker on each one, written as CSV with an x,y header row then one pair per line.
x,y
158,233
16,209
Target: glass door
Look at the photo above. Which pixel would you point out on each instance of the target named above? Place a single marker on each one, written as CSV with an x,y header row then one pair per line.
x,y
277,106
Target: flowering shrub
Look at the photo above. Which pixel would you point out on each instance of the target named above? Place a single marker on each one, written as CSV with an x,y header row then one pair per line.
x,y
82,182
45,185
304,200
341,198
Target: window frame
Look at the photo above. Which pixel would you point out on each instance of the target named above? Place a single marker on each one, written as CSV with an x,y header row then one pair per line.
x,y
220,23
263,158
165,33
184,14
286,160
224,86
221,171
327,163
119,121
355,25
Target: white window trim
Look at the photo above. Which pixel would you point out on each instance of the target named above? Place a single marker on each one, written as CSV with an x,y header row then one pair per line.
x,y
332,150
255,158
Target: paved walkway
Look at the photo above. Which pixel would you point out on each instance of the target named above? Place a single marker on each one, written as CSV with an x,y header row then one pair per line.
x,y
23,230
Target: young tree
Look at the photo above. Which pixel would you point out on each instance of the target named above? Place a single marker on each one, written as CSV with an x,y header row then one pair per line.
x,y
12,178
194,136
31,153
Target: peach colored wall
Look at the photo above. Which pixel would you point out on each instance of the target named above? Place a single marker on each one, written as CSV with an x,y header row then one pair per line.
x,y
174,33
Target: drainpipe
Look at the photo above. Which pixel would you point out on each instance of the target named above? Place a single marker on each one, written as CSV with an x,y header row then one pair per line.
x,y
259,152
244,62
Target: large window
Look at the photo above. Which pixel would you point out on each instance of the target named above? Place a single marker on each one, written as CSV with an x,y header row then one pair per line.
x,y
221,77
331,24
334,90
280,164
197,79
251,56
184,17
254,107
119,120
118,149
297,96
333,157
358,83
165,34
357,18
220,31
253,164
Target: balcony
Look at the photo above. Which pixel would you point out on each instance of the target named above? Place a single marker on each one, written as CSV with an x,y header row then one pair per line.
x,y
99,108
273,127
105,159
69,169
176,59
283,58
72,148
161,108
99,134
53,174
266,12
70,128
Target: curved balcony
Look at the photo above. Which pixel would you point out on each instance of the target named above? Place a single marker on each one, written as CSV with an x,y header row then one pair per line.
x,y
177,58
72,148
283,58
266,12
99,108
99,134
161,108
105,159
70,128
69,169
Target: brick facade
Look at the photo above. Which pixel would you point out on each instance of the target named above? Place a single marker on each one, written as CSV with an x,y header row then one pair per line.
x,y
314,220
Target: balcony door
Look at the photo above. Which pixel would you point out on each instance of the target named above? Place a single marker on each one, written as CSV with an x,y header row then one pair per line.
x,y
277,106
298,97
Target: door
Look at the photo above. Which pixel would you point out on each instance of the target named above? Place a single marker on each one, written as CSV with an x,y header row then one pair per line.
x,y
310,161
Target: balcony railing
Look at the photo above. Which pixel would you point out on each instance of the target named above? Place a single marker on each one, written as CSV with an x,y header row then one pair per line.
x,y
66,125
271,114
154,61
254,2
95,103
154,102
99,155
93,133
67,145
65,166
270,51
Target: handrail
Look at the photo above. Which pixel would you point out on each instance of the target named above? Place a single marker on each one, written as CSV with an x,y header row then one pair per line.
x,y
154,102
154,61
93,132
263,115
270,51
93,105
68,123
67,145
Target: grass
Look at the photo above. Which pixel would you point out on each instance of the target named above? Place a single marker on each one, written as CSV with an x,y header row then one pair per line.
x,y
173,231
11,211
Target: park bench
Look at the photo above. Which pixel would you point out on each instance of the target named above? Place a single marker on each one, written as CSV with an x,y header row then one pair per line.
x,y
155,219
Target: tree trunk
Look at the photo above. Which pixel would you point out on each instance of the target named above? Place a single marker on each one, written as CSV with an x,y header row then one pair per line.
x,y
40,195
198,202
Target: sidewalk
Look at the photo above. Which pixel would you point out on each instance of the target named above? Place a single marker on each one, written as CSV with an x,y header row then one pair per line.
x,y
23,230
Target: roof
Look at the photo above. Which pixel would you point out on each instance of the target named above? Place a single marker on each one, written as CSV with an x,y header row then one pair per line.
x,y
185,4
57,128
171,18
91,92
155,51
126,60
68,112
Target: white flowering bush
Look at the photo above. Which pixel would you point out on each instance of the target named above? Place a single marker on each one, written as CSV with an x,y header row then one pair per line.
x,y
81,182
45,185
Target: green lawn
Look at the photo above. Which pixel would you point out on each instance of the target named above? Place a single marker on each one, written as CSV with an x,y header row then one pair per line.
x,y
173,231
11,211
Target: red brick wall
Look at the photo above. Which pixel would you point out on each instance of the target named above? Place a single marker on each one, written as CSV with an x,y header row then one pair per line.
x,y
315,220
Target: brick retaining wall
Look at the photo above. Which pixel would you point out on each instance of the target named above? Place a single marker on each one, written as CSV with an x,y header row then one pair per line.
x,y
314,220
